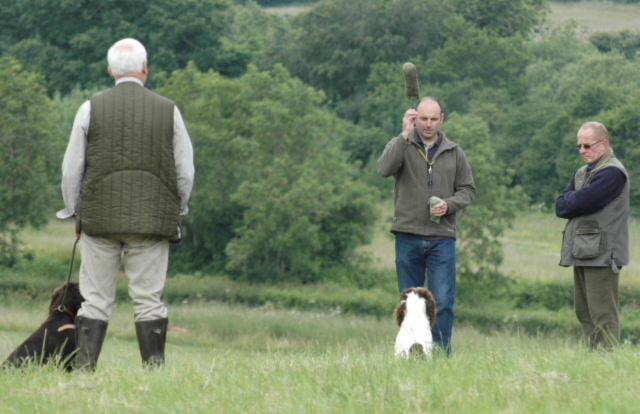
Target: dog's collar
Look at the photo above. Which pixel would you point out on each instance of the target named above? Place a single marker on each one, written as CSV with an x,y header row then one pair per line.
x,y
63,309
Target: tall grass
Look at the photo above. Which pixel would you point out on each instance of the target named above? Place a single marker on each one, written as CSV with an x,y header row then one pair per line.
x,y
241,360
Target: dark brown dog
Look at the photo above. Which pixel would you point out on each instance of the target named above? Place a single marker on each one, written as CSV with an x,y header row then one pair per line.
x,y
55,340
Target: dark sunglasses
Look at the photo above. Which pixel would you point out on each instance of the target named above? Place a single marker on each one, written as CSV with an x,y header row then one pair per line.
x,y
587,146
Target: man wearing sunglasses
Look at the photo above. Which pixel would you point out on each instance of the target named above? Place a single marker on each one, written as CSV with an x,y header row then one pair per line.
x,y
596,239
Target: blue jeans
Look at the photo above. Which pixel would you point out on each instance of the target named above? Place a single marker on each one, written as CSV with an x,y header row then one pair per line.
x,y
436,261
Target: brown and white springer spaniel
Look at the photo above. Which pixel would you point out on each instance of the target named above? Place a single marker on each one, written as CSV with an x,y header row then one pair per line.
x,y
416,314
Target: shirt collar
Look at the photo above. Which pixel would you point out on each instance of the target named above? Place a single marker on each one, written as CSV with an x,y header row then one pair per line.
x,y
129,79
435,144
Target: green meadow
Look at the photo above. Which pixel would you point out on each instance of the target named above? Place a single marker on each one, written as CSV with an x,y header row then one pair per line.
x,y
233,358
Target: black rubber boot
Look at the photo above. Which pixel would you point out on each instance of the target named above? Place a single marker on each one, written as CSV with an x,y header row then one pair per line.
x,y
90,334
152,335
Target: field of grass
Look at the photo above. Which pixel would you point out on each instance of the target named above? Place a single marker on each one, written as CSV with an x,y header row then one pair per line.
x,y
595,16
288,10
236,359
588,16
531,248
53,240
239,360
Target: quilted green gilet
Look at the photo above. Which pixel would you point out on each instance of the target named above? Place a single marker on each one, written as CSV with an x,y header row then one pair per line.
x,y
130,185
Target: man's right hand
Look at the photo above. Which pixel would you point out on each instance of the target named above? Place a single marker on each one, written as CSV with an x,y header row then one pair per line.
x,y
409,123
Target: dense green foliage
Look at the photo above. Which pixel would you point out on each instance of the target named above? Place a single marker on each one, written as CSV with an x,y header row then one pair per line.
x,y
25,158
67,41
502,17
288,114
495,206
612,1
275,197
360,33
624,42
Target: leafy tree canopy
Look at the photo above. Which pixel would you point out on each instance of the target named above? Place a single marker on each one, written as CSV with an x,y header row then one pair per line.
x,y
67,41
478,58
557,104
26,119
497,202
333,45
625,42
503,17
623,123
275,196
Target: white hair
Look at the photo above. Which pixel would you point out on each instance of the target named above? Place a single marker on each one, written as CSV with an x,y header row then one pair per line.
x,y
598,129
126,56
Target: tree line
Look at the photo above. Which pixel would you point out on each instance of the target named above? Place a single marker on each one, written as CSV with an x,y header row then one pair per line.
x,y
289,113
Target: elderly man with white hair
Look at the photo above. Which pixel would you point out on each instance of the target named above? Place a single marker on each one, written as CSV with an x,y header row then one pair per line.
x,y
596,238
127,176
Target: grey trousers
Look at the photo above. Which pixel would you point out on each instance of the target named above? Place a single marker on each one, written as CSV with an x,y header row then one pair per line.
x,y
146,260
597,305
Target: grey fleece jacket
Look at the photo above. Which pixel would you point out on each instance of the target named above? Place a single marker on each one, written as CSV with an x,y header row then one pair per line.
x,y
447,176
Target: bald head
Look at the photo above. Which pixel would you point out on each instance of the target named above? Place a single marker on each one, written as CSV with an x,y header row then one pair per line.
x,y
430,119
430,100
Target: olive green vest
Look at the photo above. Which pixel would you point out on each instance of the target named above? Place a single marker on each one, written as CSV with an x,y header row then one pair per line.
x,y
599,239
130,184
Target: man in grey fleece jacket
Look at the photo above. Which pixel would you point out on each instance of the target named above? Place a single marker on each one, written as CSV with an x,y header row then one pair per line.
x,y
433,181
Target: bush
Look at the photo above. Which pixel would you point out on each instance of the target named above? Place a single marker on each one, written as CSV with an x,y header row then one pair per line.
x,y
34,278
544,295
276,198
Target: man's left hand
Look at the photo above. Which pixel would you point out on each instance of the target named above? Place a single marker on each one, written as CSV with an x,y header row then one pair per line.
x,y
440,209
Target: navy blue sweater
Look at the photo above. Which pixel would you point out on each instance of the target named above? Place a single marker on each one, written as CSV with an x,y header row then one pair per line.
x,y
605,186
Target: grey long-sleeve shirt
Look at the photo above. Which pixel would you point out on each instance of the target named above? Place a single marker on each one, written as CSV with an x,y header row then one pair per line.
x,y
74,158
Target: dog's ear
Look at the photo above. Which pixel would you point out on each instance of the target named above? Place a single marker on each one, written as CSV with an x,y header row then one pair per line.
x,y
432,309
56,298
401,309
74,298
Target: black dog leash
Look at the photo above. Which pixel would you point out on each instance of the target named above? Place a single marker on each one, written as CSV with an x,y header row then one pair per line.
x,y
63,308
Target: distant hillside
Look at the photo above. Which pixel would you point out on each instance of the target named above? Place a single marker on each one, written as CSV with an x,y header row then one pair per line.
x,y
590,16
287,9
596,16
